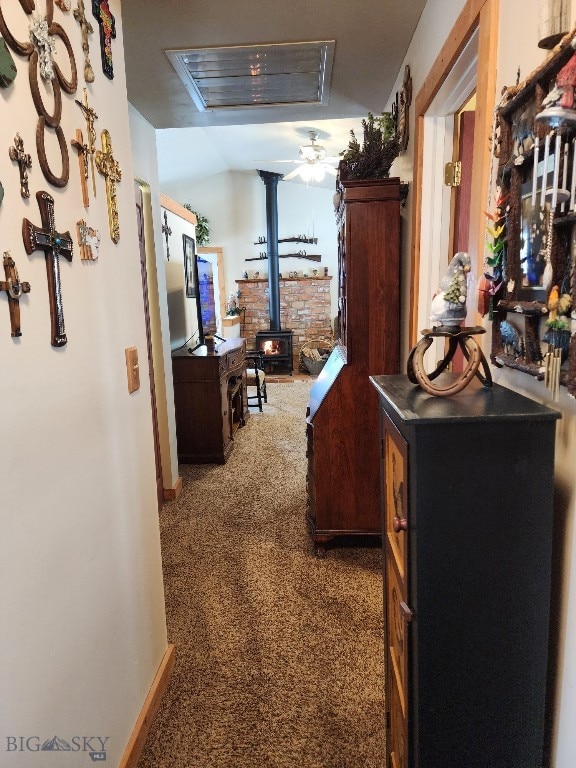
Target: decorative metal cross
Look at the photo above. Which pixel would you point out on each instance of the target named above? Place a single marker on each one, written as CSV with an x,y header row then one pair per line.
x,y
166,230
110,169
107,23
24,161
90,116
14,288
83,154
54,244
45,45
85,29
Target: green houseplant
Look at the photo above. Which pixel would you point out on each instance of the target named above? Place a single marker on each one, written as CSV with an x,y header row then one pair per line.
x,y
373,158
202,226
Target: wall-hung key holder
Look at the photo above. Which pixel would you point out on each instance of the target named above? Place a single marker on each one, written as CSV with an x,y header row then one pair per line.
x,y
530,255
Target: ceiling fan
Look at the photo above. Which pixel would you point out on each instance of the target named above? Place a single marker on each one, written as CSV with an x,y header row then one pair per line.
x,y
314,164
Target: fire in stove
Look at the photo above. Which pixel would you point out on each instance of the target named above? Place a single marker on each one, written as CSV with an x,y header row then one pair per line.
x,y
271,347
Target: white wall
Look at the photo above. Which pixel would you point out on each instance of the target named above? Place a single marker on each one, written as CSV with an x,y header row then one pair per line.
x,y
518,36
81,597
522,51
235,204
181,310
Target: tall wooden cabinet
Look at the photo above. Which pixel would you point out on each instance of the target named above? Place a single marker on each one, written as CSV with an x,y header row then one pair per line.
x,y
342,421
467,524
209,401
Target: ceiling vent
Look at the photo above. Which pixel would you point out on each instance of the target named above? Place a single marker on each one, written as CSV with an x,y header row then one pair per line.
x,y
250,76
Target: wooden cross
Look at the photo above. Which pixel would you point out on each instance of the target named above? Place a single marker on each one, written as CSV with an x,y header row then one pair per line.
x,y
166,230
107,23
83,154
14,288
54,244
24,161
85,30
110,169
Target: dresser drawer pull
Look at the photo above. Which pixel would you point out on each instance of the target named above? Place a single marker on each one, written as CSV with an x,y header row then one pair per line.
x,y
399,524
406,612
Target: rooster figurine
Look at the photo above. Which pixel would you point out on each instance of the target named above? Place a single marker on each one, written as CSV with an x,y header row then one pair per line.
x,y
449,302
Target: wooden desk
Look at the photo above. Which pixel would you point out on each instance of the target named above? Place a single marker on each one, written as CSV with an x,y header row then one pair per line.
x,y
209,400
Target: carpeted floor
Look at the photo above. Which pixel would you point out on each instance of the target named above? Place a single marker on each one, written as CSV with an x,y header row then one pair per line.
x,y
279,654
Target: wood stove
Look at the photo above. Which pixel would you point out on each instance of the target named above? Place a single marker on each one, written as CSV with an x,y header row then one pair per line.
x,y
277,349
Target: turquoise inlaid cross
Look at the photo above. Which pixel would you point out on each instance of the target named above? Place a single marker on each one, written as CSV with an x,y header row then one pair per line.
x,y
54,244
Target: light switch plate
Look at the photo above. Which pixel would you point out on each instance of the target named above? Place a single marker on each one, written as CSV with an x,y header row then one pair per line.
x,y
132,369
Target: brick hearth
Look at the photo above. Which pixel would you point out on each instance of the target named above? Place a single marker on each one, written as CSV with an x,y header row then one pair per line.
x,y
304,307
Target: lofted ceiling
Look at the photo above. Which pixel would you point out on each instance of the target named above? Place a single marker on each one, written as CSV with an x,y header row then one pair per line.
x,y
371,38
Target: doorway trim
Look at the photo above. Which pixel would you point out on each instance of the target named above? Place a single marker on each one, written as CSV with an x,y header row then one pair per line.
x,y
481,15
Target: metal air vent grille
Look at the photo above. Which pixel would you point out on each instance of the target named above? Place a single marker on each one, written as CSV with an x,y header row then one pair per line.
x,y
249,76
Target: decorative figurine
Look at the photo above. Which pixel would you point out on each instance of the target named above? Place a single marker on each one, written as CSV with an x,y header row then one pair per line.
x,y
449,302
14,288
448,312
559,103
54,244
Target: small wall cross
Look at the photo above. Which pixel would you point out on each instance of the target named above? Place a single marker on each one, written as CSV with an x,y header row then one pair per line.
x,y
85,29
14,288
110,169
166,230
107,23
24,161
54,244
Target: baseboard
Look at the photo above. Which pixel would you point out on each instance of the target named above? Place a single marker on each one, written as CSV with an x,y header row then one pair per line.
x,y
147,714
170,494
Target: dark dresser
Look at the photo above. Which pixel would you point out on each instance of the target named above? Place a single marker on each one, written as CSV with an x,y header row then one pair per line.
x,y
209,401
467,527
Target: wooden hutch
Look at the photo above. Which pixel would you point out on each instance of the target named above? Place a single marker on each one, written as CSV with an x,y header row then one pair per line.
x,y
342,419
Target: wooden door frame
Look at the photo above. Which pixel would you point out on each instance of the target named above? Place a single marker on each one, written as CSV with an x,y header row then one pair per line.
x,y
481,15
145,297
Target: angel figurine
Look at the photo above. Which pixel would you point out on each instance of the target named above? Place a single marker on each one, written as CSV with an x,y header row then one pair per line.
x,y
449,302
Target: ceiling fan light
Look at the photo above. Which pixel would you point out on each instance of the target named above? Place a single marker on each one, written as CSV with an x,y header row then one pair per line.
x,y
318,172
307,172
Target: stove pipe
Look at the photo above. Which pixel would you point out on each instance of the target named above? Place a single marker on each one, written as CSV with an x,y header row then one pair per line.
x,y
271,183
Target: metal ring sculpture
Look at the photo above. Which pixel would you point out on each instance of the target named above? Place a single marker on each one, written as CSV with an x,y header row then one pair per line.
x,y
476,363
58,82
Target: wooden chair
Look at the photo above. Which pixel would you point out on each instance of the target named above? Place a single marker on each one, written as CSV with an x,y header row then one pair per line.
x,y
255,377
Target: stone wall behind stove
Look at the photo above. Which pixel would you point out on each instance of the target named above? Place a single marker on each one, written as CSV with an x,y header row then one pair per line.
x,y
304,308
